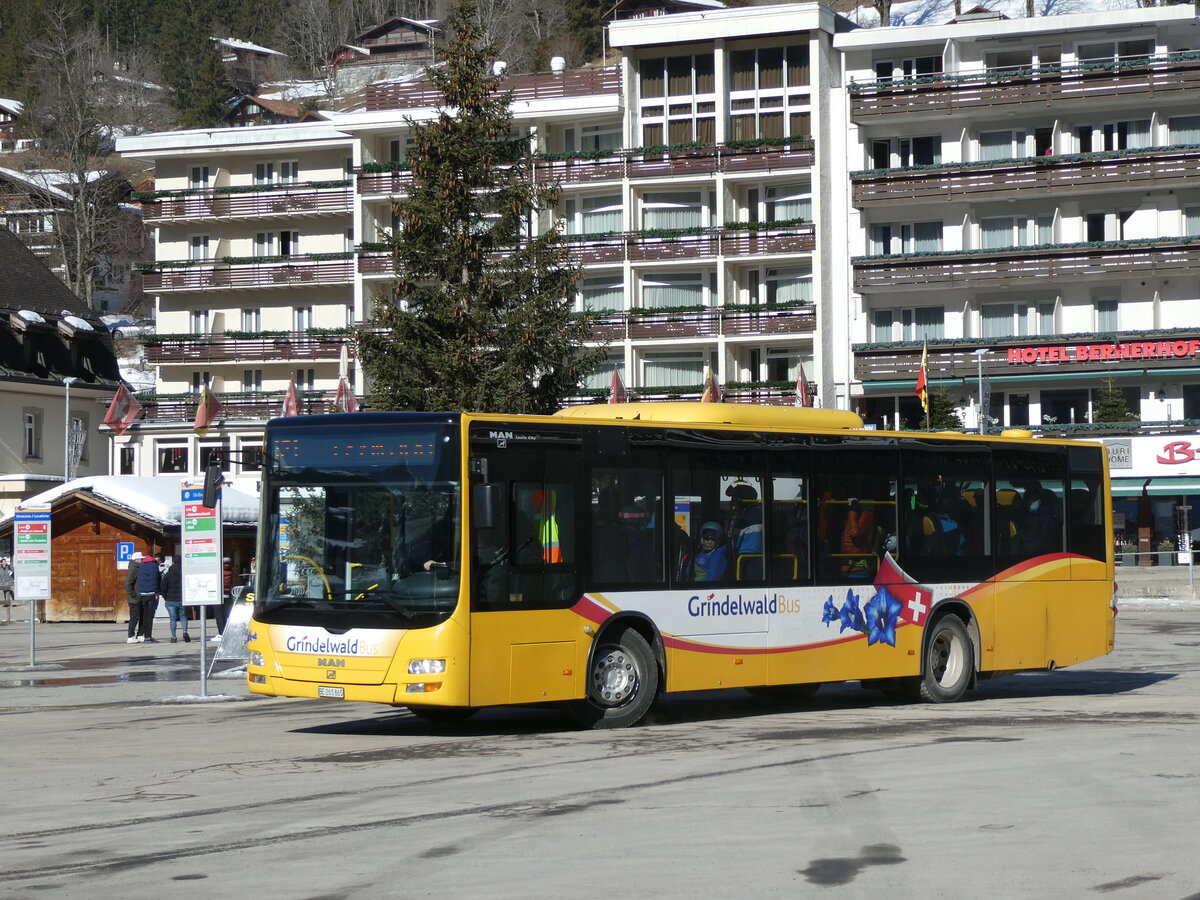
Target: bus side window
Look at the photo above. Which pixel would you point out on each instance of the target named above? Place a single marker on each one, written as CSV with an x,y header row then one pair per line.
x,y
944,512
1085,513
627,524
855,503
1030,503
789,531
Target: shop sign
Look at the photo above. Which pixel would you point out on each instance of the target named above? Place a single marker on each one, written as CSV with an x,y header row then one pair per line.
x,y
1161,455
1180,349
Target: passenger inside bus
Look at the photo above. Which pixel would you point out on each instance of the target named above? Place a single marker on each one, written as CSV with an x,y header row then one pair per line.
x,y
713,557
745,531
637,543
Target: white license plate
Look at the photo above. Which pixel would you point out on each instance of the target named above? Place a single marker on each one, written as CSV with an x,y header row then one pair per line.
x,y
334,693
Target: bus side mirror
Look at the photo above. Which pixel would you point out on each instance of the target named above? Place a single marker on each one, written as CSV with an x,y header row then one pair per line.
x,y
485,501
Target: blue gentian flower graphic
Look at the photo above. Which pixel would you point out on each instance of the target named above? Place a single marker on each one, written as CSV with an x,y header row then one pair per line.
x,y
851,615
882,612
830,613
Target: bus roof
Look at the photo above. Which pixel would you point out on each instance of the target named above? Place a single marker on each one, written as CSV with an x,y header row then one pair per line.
x,y
746,415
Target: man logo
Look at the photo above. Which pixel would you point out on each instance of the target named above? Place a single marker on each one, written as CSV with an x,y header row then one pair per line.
x,y
331,675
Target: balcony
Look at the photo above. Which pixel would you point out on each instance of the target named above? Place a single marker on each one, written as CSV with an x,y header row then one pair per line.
x,y
708,323
644,246
638,163
237,348
761,394
387,182
1131,169
262,406
266,201
1104,354
1173,74
538,86
1158,257
234,273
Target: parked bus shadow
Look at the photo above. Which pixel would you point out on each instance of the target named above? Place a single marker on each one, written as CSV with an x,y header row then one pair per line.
x,y
704,706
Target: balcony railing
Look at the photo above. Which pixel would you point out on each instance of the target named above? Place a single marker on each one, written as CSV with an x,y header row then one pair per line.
x,y
1153,167
764,395
1061,353
539,86
1172,74
388,183
167,349
214,275
704,324
291,202
637,163
988,268
263,406
642,247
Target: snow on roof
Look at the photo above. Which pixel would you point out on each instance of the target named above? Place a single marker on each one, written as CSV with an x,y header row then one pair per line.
x,y
30,316
235,44
153,499
36,180
75,322
14,106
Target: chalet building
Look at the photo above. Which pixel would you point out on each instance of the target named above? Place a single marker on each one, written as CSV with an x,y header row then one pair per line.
x,y
253,111
397,40
752,190
249,65
90,518
57,373
10,129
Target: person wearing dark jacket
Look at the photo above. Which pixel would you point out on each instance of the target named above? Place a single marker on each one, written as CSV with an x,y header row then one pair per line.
x,y
171,586
135,602
147,589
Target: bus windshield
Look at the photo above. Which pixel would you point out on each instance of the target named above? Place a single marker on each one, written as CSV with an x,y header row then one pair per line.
x,y
361,527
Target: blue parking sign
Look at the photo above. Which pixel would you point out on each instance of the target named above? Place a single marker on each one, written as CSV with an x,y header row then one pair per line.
x,y
124,551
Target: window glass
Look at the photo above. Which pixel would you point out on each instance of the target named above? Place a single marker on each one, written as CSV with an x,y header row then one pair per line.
x,y
1085,507
789,532
944,511
718,514
172,460
626,519
1028,504
854,492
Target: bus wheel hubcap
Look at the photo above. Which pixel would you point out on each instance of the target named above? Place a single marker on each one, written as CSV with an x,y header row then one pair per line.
x,y
615,676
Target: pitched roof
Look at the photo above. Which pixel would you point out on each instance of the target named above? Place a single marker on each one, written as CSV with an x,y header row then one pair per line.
x,y
40,332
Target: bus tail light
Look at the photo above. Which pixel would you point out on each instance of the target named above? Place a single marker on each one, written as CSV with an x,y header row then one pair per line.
x,y
422,688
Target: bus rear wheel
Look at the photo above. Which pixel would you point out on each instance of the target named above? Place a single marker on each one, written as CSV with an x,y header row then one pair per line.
x,y
949,661
622,682
443,713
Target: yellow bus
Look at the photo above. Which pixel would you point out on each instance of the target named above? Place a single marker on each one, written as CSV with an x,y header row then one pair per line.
x,y
602,556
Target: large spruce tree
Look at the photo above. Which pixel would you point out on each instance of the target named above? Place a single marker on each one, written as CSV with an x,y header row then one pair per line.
x,y
480,318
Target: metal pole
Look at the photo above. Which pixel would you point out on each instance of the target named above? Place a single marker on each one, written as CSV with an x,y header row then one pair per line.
x,y
68,380
982,427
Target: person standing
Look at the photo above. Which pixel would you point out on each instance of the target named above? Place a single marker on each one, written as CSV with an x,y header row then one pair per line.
x,y
135,602
147,590
171,586
6,589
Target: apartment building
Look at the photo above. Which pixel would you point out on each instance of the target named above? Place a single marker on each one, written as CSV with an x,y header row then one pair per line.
x,y
1024,199
748,190
691,185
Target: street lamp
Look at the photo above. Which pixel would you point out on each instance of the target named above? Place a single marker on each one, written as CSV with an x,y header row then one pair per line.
x,y
979,355
68,380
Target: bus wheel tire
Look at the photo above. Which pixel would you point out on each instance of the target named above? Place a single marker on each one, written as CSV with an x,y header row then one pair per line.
x,y
949,660
622,682
786,693
443,713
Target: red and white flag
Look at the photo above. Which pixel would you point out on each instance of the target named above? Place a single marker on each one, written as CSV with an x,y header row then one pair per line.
x,y
803,395
207,412
618,394
123,410
291,400
344,400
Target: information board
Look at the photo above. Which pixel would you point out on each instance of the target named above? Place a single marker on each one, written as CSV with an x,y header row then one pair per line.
x,y
200,553
31,552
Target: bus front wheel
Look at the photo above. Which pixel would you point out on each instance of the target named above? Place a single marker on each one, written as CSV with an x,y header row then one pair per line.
x,y
622,682
949,660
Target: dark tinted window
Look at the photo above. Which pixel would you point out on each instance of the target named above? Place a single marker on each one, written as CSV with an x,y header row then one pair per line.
x,y
1085,503
1028,509
944,513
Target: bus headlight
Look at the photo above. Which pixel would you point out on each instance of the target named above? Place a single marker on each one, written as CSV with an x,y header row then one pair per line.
x,y
257,659
426,666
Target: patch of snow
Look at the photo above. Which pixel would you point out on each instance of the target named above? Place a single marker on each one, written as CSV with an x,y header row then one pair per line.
x,y
30,316
75,322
